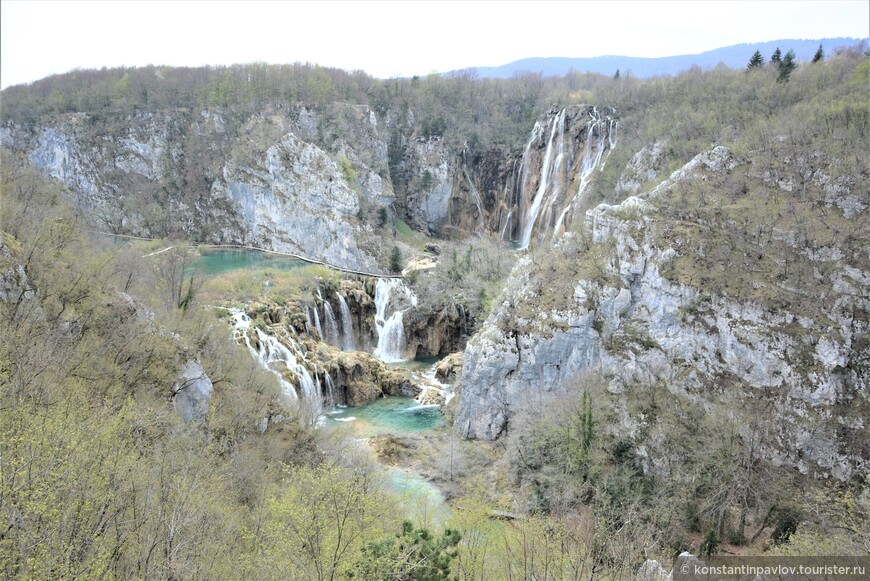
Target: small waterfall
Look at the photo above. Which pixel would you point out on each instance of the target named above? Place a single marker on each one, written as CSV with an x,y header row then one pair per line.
x,y
330,389
331,326
308,324
548,167
317,323
463,334
390,330
347,342
270,351
507,224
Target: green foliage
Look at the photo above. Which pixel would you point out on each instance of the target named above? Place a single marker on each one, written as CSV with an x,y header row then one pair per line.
x,y
426,180
776,57
786,521
348,173
710,544
321,518
819,56
413,555
786,67
757,61
396,260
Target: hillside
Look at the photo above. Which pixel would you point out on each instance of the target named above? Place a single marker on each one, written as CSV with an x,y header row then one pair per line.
x,y
647,299
734,57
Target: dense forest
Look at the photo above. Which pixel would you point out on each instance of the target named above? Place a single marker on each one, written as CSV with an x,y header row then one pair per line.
x,y
100,477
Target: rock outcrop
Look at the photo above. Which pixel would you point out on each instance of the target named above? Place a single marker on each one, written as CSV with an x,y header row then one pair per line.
x,y
611,300
192,393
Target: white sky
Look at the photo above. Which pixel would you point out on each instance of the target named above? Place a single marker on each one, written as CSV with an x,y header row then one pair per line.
x,y
387,39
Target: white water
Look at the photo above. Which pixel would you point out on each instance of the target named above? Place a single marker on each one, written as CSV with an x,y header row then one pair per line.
x,y
331,327
558,124
507,224
474,193
591,159
273,354
524,173
390,329
347,341
330,389
317,324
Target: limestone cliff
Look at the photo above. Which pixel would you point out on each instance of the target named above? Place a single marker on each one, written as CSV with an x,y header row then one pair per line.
x,y
628,297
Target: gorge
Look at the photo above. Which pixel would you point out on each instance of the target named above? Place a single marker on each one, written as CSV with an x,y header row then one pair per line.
x,y
631,301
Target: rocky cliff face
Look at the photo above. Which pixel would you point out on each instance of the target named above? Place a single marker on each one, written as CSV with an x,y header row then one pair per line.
x,y
612,300
311,183
261,181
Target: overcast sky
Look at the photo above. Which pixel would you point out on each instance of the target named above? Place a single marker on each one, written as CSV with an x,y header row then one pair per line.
x,y
388,39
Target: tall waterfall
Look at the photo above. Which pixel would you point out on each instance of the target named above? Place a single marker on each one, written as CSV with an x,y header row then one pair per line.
x,y
331,328
561,165
347,342
591,157
550,165
474,193
272,353
390,329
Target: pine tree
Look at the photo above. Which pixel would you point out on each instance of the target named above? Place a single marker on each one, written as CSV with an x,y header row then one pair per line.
x,y
777,56
616,76
396,259
757,61
787,65
820,55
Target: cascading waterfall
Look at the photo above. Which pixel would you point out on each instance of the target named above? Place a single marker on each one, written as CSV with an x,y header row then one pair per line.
x,y
331,326
330,389
591,158
308,324
550,165
524,175
347,342
317,323
390,330
270,351
474,192
507,224
463,335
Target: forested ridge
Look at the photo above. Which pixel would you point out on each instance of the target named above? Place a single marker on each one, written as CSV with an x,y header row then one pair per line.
x,y
101,478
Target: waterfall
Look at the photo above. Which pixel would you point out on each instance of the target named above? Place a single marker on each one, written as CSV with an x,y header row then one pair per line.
x,y
463,335
331,326
330,389
271,352
524,174
507,224
317,323
591,159
558,125
347,342
390,330
474,192
308,324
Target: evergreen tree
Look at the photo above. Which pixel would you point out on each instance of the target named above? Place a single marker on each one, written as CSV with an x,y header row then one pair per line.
x,y
616,76
777,56
396,259
787,65
757,61
820,55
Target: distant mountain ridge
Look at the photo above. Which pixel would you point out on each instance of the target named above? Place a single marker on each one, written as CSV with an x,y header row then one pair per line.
x,y
734,56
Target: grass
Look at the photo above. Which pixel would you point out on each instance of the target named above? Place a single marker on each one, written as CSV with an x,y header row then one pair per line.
x,y
265,284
